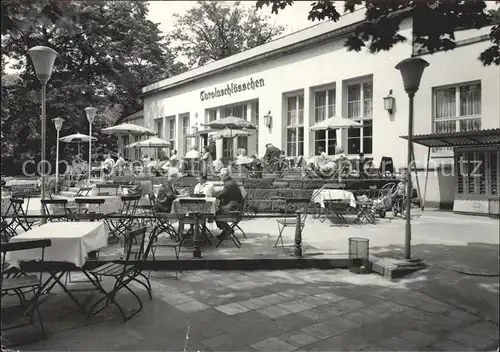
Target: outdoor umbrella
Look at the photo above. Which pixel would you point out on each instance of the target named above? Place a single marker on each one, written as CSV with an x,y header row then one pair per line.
x,y
128,129
227,133
153,142
77,138
334,123
231,123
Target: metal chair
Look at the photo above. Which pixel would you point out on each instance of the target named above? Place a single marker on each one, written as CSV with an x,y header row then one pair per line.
x,y
87,203
124,272
20,284
119,227
56,209
292,206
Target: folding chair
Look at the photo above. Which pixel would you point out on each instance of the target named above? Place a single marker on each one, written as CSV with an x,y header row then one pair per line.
x,y
124,272
193,216
19,285
165,243
162,221
84,192
56,209
119,227
87,203
19,216
336,208
293,206
232,219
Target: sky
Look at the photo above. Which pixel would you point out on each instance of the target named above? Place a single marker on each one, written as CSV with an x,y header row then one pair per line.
x,y
293,18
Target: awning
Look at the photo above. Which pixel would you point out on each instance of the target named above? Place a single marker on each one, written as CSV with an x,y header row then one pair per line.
x,y
458,139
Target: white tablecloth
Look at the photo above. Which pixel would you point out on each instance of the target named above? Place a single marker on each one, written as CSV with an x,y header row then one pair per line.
x,y
71,242
333,194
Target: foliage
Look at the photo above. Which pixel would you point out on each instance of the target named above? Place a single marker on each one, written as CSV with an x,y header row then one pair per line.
x,y
212,30
108,51
435,23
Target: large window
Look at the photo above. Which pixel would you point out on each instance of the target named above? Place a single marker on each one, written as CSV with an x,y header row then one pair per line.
x,y
295,125
159,127
359,108
236,111
185,132
171,131
456,109
477,172
212,115
324,108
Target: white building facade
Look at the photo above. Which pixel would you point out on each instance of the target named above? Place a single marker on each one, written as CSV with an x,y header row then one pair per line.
x,y
305,77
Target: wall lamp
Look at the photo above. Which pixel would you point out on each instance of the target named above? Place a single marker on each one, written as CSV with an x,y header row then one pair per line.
x,y
268,120
389,102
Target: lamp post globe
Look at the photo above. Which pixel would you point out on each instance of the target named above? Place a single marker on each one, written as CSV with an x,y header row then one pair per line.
x,y
411,71
43,59
58,122
90,112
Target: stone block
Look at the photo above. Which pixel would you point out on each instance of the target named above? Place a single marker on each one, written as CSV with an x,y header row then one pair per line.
x,y
273,344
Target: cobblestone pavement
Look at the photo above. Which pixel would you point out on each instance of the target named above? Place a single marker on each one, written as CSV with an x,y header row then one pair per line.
x,y
307,310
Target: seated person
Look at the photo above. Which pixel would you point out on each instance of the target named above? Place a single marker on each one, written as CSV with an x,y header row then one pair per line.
x,y
204,187
400,191
230,198
256,168
168,193
119,167
174,158
241,153
218,165
107,164
323,164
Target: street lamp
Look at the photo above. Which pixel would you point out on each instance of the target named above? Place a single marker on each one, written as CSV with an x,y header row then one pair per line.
x,y
58,122
43,59
411,70
90,111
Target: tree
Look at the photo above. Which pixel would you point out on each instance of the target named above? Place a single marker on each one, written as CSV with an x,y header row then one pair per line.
x,y
213,30
435,23
108,51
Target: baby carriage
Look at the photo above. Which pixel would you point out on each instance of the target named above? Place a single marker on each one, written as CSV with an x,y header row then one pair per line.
x,y
384,202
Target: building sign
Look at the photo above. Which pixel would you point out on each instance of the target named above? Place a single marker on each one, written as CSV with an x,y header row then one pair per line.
x,y
231,88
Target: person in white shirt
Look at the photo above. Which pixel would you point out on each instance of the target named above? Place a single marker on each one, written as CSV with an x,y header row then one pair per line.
x,y
119,166
204,187
108,164
174,158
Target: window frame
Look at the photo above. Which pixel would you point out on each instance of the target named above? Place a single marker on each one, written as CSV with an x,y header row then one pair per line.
x,y
297,126
363,115
464,184
169,130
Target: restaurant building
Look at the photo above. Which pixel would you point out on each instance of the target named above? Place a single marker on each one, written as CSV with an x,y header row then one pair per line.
x,y
287,85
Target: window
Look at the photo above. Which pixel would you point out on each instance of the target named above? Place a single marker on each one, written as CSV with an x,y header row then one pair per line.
x,y
171,131
185,132
295,125
159,127
236,111
477,172
359,108
212,115
227,147
324,108
257,122
456,109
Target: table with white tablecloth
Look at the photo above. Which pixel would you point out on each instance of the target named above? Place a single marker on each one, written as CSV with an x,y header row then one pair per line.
x,y
71,242
322,195
209,206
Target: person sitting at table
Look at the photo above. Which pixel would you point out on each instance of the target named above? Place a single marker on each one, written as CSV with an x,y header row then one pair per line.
x,y
204,187
174,158
107,165
167,193
119,166
230,199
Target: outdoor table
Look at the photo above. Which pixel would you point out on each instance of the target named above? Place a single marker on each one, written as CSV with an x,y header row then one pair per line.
x,y
71,242
322,195
210,207
112,204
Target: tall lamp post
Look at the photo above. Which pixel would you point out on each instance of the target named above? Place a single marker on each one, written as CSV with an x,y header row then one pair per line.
x,y
411,70
43,59
58,122
90,111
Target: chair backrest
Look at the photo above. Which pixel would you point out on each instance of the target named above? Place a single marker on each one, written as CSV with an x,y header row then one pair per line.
x,y
58,207
84,191
132,238
294,205
129,205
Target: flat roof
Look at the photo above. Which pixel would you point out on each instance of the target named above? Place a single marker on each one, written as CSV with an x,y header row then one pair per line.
x,y
259,51
489,137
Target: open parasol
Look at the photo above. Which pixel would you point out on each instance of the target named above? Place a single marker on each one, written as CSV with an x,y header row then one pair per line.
x,y
227,133
128,129
153,142
77,138
230,123
334,123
